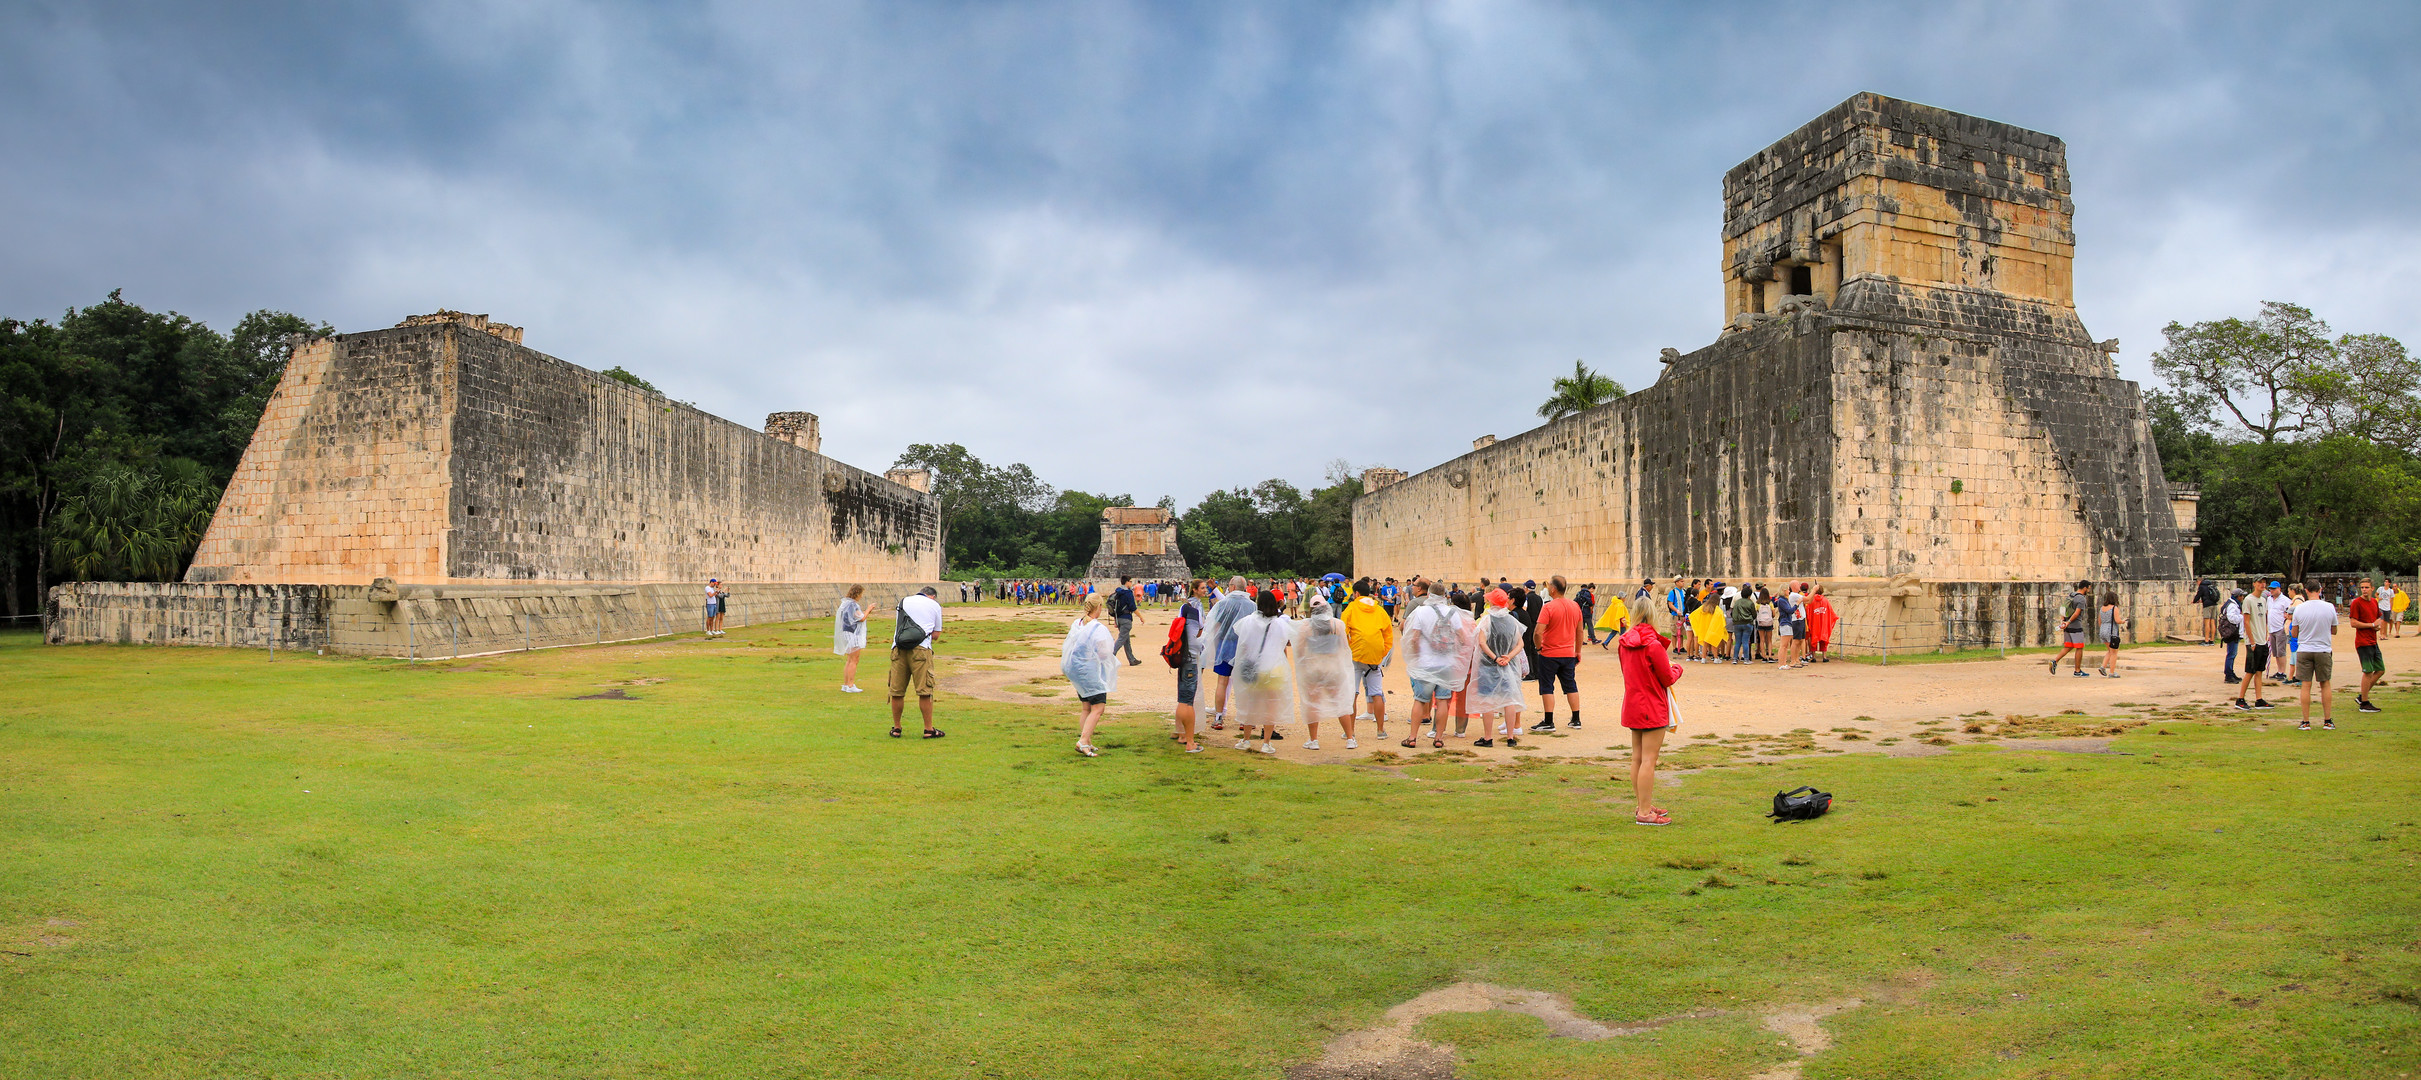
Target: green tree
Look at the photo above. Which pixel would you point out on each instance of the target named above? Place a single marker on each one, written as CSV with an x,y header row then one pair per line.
x,y
1580,391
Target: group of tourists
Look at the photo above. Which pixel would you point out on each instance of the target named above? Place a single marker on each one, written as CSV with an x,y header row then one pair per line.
x,y
1717,622
1074,592
2288,633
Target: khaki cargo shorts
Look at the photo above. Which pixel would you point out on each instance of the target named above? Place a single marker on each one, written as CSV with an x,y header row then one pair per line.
x,y
2315,666
911,667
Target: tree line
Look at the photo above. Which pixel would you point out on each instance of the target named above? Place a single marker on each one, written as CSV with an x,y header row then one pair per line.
x,y
119,427
1005,522
2302,443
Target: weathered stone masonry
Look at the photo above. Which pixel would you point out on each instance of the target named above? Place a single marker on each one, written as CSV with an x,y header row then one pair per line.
x,y
444,452
1903,392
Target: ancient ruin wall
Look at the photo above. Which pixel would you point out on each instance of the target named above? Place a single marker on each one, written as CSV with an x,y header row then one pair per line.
x,y
437,452
563,475
345,479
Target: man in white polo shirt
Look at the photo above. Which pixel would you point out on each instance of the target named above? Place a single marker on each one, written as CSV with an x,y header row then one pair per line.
x,y
920,623
2315,655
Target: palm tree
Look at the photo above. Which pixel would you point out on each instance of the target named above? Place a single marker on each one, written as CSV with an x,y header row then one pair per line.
x,y
1579,392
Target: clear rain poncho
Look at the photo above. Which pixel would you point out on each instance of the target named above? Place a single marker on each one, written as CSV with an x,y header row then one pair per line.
x,y
1324,683
1217,644
1086,657
1495,686
1442,642
848,628
1262,689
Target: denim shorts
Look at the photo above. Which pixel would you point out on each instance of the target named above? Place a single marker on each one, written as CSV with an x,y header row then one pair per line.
x,y
1187,678
1427,692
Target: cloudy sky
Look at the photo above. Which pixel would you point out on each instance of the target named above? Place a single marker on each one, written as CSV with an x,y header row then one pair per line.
x,y
1147,248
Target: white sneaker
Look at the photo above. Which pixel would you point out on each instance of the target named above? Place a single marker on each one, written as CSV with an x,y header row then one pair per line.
x,y
1352,745
1364,716
1312,745
853,690
1244,744
1269,748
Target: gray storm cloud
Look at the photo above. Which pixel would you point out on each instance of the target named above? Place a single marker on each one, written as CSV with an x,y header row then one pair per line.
x,y
1059,233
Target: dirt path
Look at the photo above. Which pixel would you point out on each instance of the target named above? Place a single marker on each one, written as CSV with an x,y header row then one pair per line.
x,y
1887,702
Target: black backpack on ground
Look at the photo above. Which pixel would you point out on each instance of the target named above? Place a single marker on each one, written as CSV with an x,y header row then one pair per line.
x,y
1794,806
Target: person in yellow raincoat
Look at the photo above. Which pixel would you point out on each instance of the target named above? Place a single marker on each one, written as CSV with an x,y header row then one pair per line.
x,y
1613,618
1708,625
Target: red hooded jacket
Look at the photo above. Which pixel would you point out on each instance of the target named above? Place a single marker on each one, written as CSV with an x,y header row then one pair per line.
x,y
1647,669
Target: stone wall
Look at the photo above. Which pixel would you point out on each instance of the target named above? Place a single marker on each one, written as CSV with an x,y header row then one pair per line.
x,y
1947,427
441,452
425,621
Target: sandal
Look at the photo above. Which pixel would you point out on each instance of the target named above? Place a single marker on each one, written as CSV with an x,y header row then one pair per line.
x,y
1658,818
1086,750
1412,744
1437,743
895,733
934,733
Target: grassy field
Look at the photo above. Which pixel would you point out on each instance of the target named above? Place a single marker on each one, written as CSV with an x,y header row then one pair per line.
x,y
219,864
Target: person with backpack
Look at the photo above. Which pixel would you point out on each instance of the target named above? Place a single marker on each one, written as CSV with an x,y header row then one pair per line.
x,y
1648,675
1587,599
1184,652
1370,630
1219,641
912,641
2207,594
2112,626
1122,609
2073,613
2231,635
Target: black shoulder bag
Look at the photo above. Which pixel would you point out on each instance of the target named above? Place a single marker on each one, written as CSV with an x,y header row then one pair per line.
x,y
910,632
1801,804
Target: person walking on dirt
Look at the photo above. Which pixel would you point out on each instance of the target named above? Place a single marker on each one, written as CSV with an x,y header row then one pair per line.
x,y
1122,609
1189,667
2073,613
1219,641
2111,628
1648,675
1088,657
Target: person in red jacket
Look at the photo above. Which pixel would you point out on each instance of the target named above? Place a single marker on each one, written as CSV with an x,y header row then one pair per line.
x,y
1648,674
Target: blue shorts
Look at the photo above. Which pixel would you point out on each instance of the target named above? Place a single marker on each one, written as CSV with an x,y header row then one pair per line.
x,y
1427,692
1188,678
1223,670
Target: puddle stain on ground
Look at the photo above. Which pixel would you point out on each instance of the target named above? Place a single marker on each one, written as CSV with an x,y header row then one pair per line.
x,y
1389,1051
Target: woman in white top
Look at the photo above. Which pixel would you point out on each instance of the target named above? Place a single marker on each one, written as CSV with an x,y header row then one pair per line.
x,y
849,637
1085,657
1262,688
1324,682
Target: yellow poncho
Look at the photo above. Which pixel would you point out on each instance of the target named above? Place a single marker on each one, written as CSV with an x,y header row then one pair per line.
x,y
1615,616
1707,622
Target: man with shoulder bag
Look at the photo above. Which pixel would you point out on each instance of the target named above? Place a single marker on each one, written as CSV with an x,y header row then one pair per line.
x,y
919,626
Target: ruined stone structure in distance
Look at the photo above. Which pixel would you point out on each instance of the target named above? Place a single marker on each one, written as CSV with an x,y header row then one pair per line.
x,y
1139,542
437,489
1903,392
444,451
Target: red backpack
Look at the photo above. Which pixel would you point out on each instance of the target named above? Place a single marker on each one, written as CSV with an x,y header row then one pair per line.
x,y
1174,651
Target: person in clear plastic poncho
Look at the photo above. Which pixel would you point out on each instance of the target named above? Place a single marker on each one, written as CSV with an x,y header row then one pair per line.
x,y
1324,680
1262,688
1088,659
1218,642
1502,666
1441,640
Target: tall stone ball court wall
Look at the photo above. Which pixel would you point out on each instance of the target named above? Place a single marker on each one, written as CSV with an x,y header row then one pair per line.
x,y
563,475
345,479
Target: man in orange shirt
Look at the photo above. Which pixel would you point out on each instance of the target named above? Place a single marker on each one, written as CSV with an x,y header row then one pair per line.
x,y
1558,653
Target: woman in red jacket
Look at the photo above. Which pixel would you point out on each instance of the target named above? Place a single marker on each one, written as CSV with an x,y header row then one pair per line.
x,y
1648,673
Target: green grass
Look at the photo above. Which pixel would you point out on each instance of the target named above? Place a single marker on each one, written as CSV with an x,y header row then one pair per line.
x,y
345,867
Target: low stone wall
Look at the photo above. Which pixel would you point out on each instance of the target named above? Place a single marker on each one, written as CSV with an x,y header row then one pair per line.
x,y
425,621
1877,616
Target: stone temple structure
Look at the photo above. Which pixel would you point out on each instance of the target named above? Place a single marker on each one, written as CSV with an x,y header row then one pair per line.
x,y
1902,403
442,460
1138,542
